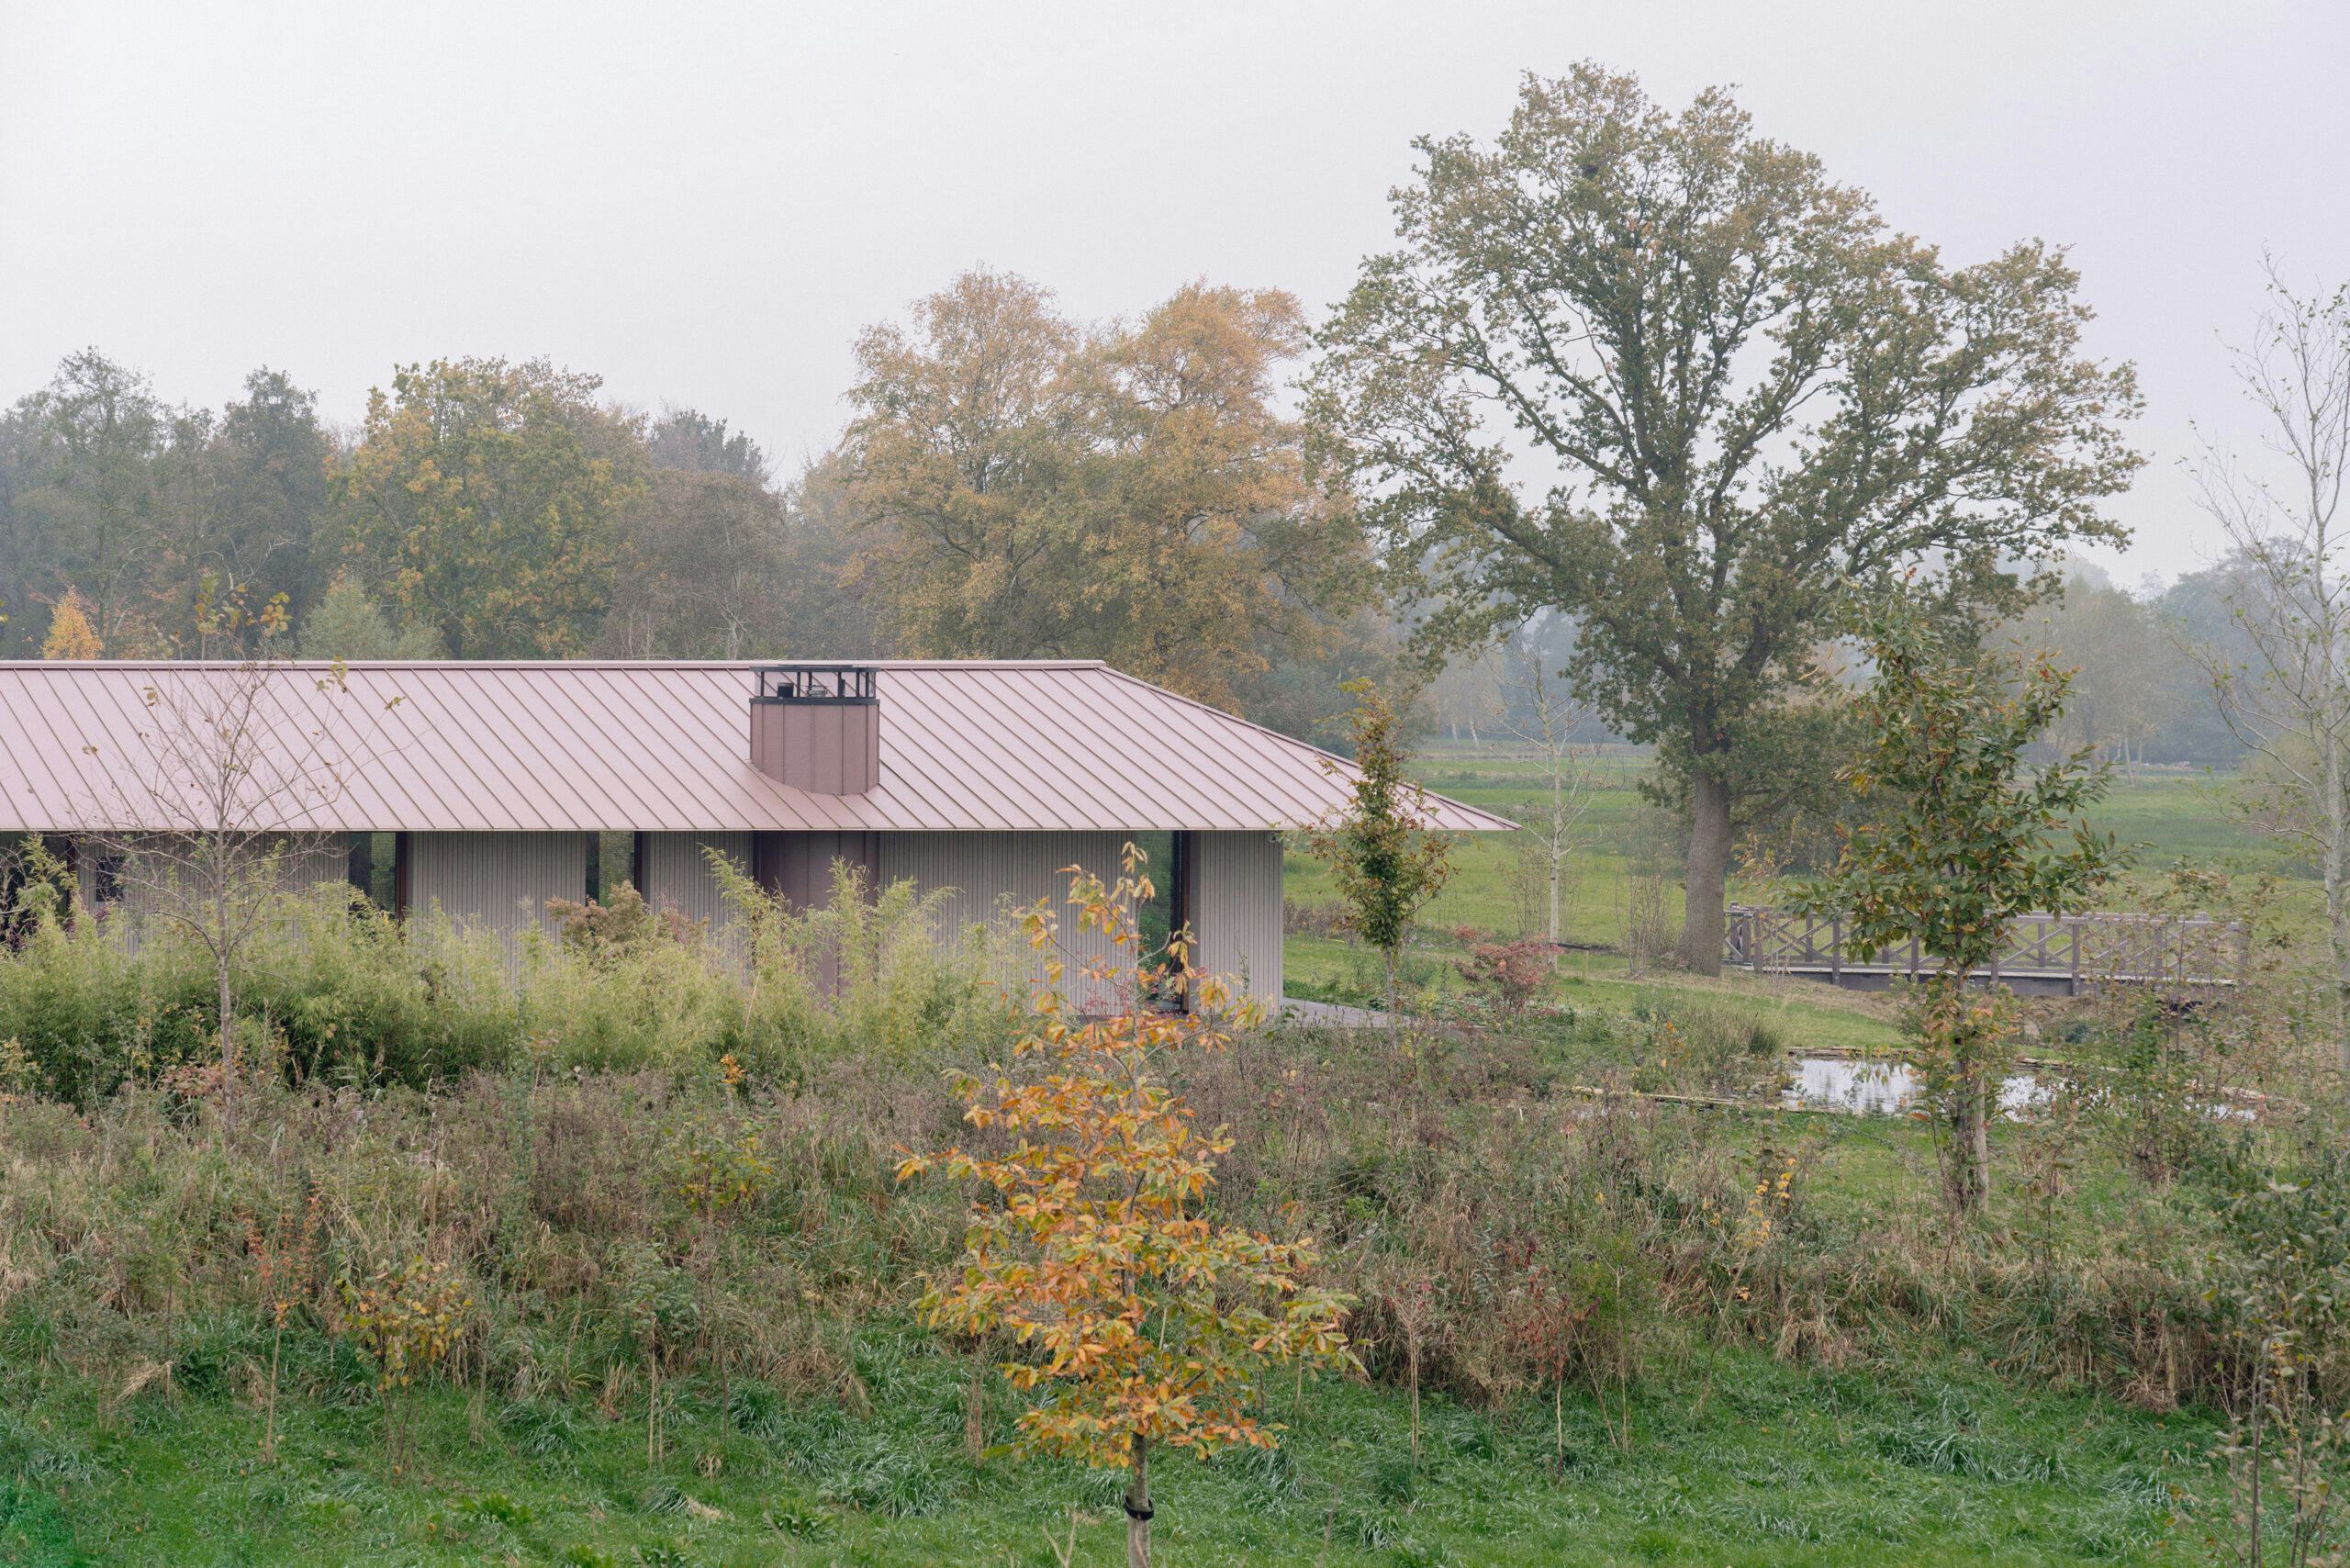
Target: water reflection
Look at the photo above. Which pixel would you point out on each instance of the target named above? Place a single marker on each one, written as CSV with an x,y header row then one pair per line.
x,y
1881,1088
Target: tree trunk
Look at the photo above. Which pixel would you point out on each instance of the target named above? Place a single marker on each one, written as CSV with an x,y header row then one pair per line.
x,y
1971,1101
1554,891
2337,899
1706,880
1558,842
1978,1144
222,956
975,1407
1394,1019
1138,1504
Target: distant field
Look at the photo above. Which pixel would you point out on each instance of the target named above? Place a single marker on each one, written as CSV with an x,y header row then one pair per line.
x,y
2170,816
2167,820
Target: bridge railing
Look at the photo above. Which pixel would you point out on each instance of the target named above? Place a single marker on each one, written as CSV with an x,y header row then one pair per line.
x,y
2084,949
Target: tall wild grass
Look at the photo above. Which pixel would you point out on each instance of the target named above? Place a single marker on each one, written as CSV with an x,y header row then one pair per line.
x,y
344,994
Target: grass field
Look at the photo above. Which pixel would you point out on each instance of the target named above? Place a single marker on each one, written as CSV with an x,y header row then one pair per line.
x,y
1716,1454
2165,820
1764,1464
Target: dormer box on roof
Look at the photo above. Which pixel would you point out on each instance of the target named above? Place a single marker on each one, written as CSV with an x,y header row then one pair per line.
x,y
817,727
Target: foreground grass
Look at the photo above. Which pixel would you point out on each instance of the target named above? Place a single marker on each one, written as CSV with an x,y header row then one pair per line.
x,y
1736,1459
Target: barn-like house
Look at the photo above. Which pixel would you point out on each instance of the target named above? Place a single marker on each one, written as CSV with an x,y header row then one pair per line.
x,y
488,788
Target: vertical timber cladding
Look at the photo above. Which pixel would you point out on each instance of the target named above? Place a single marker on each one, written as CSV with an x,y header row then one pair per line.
x,y
675,868
830,745
500,880
799,865
103,880
1235,897
988,878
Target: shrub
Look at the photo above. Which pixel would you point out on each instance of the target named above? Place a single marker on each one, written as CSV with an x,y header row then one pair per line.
x,y
1702,1048
872,975
89,1014
343,994
1508,973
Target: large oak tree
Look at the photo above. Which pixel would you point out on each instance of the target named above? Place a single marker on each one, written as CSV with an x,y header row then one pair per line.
x,y
1652,369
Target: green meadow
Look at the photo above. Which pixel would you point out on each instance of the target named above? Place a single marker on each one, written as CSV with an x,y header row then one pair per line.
x,y
2166,819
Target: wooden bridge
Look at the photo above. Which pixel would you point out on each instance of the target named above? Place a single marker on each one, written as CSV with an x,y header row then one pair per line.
x,y
2045,955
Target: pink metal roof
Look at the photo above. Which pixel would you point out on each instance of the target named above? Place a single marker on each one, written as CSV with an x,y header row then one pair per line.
x,y
447,746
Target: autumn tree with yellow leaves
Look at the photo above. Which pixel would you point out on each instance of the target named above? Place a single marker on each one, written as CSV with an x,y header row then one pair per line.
x,y
71,635
1140,1322
1033,485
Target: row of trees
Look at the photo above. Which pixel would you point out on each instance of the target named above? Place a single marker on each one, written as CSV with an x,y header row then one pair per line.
x,y
480,509
1016,483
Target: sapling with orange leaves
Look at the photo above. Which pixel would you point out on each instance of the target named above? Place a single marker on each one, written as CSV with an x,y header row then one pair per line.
x,y
1142,1325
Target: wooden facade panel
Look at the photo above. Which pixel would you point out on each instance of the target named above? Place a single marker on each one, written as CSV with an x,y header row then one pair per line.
x,y
1237,909
799,865
677,876
994,875
130,900
832,748
500,882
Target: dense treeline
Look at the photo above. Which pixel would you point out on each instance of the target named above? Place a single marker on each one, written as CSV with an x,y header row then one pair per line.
x,y
1014,483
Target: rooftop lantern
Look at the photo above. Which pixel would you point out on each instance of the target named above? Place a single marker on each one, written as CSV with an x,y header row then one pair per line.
x,y
817,727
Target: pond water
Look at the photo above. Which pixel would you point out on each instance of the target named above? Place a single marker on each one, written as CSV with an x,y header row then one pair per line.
x,y
1880,1087
1888,1088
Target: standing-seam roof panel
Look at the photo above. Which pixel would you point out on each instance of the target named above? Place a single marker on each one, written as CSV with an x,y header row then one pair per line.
x,y
967,745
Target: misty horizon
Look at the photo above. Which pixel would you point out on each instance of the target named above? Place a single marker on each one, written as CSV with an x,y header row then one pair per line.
x,y
706,215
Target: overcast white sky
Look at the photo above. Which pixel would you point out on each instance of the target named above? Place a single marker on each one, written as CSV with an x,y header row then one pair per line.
x,y
704,203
